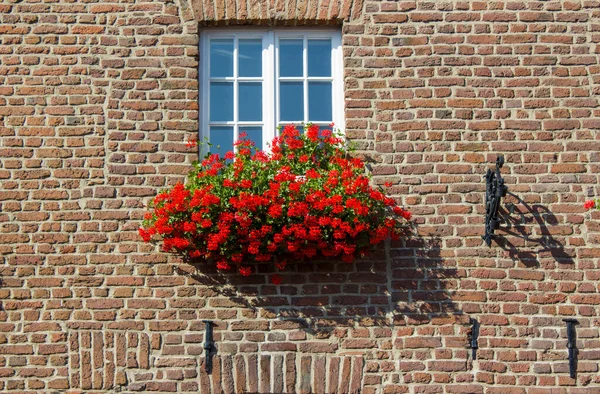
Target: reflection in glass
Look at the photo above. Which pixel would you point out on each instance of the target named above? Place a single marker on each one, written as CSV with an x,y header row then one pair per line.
x,y
291,101
221,58
319,101
250,58
290,58
221,138
250,101
319,58
221,101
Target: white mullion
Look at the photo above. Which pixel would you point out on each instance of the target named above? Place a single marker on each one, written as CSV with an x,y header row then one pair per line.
x,y
205,89
269,88
251,122
305,75
221,79
235,89
300,79
337,90
277,86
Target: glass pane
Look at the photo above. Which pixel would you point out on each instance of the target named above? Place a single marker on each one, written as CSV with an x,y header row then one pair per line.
x,y
221,138
221,101
290,58
221,58
291,102
254,134
250,101
319,58
319,101
250,58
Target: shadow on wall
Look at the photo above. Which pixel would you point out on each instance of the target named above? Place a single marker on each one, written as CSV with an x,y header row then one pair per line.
x,y
404,283
532,229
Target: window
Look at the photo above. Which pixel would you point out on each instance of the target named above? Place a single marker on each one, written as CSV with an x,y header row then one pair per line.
x,y
255,80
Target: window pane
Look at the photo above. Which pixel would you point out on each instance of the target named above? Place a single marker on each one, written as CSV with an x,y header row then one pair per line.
x,y
319,101
250,101
221,101
254,134
250,58
221,138
319,58
290,58
291,102
221,58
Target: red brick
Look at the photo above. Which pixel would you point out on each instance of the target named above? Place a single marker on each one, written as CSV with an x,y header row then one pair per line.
x,y
278,347
317,347
81,29
106,8
104,304
16,349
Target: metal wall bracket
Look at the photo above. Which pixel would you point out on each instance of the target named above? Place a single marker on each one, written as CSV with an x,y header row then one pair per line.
x,y
494,191
572,346
209,346
474,337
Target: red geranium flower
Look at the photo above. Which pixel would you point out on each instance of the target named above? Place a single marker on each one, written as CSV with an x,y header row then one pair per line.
x,y
245,271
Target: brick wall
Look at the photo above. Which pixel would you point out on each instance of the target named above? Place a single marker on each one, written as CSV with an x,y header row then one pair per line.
x,y
97,100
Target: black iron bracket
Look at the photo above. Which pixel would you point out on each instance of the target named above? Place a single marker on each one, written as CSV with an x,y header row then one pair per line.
x,y
209,345
572,346
494,191
474,337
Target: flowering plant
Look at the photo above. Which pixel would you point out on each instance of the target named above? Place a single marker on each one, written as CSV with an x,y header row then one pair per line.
x,y
591,204
304,199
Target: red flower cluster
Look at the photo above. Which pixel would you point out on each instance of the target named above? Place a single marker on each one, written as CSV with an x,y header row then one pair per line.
x,y
590,204
303,200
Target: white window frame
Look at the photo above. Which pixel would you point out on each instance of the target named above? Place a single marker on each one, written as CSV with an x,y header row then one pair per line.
x,y
270,77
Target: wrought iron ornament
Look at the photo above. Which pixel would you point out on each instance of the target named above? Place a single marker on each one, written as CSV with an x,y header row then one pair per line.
x,y
494,191
209,345
572,346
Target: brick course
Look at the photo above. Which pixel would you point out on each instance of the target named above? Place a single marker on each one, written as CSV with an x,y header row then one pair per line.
x,y
97,101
